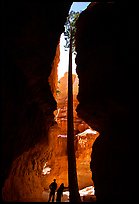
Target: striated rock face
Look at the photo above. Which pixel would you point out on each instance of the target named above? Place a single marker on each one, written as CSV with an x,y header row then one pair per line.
x,y
53,78
84,135
107,96
62,98
28,178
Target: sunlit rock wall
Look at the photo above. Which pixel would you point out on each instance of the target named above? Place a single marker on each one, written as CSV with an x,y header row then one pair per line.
x,y
105,45
62,99
31,33
84,138
53,78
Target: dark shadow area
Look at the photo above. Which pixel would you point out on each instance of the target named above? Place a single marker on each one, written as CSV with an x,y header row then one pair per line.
x,y
106,67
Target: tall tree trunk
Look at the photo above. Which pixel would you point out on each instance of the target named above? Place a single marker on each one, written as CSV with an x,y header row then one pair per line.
x,y
74,195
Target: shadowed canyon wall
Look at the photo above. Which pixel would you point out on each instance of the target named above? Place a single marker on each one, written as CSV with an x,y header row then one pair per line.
x,y
105,45
31,33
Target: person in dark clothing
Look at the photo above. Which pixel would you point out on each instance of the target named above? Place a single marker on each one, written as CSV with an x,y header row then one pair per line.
x,y
60,192
53,187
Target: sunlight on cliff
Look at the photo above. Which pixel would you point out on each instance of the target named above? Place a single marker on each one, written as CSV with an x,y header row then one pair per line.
x,y
46,169
84,134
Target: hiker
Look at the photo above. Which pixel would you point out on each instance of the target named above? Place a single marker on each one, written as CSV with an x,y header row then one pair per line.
x,y
53,187
60,192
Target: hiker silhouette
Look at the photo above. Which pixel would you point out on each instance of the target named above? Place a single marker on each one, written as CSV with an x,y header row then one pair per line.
x,y
52,187
60,192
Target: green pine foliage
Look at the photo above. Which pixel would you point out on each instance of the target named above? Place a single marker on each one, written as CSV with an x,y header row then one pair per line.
x,y
71,24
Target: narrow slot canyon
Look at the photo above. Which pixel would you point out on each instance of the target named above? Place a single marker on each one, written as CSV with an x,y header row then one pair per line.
x,y
34,101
